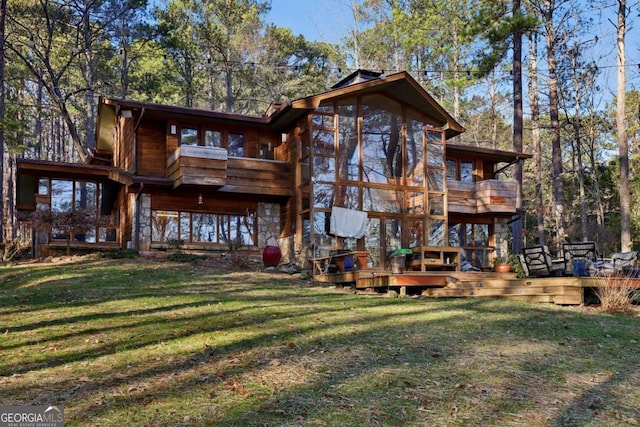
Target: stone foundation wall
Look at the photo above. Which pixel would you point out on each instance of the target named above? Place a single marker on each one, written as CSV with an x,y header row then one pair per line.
x,y
144,238
269,232
502,235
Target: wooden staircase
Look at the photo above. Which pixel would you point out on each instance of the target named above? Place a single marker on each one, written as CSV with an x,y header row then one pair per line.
x,y
454,284
557,290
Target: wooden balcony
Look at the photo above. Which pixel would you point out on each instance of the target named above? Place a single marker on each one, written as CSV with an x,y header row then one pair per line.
x,y
488,196
191,165
212,167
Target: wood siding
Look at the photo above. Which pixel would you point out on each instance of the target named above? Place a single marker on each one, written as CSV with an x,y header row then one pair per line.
x,y
461,197
495,196
125,153
211,202
489,196
151,149
190,165
211,167
290,153
254,176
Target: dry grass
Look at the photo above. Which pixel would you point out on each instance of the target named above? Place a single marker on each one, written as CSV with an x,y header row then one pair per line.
x,y
617,293
147,343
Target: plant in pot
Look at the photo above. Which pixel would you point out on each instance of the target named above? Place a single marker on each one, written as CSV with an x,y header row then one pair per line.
x,y
510,263
501,264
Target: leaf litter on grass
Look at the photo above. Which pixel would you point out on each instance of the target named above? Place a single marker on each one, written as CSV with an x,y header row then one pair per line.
x,y
185,345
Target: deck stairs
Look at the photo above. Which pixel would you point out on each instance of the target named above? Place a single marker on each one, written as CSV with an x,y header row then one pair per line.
x,y
557,290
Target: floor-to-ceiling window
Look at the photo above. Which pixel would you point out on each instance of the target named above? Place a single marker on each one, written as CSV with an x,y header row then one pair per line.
x,y
176,228
371,153
475,241
82,211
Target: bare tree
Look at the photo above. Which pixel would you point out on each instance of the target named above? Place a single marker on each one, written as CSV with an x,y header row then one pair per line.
x,y
621,125
535,133
551,27
3,14
517,126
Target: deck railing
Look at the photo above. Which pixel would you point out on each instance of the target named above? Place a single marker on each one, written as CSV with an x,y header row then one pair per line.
x,y
212,167
488,196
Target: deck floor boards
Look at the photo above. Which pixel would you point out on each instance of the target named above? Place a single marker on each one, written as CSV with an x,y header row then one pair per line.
x,y
449,284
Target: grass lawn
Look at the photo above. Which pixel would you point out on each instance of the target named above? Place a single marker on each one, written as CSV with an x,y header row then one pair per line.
x,y
140,342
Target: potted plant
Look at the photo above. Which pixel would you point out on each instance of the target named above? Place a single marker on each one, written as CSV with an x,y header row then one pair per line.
x,y
501,264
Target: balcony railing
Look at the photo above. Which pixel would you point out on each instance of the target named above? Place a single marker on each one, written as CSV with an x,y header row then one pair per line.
x,y
212,167
192,165
488,196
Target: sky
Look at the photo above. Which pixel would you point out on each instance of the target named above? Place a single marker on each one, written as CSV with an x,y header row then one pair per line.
x,y
316,20
331,21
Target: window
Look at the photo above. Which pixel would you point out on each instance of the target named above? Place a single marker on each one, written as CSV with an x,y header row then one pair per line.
x,y
459,170
381,140
474,239
236,145
61,195
466,171
43,186
348,140
88,202
415,161
193,227
164,226
188,136
266,148
212,138
452,170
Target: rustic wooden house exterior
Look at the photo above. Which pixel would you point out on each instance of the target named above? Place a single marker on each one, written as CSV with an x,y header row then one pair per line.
x,y
377,147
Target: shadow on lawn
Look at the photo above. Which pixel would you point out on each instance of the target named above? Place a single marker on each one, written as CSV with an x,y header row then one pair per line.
x,y
448,361
435,354
36,286
365,360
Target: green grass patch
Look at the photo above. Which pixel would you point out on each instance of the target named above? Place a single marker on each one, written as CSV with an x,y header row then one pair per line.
x,y
140,342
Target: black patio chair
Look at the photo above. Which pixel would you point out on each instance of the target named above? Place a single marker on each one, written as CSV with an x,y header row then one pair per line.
x,y
540,263
578,257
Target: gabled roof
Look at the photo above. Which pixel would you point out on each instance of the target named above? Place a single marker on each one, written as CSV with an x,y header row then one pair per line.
x,y
108,108
357,76
400,86
497,156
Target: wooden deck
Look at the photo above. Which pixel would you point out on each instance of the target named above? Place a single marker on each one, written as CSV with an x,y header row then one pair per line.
x,y
453,284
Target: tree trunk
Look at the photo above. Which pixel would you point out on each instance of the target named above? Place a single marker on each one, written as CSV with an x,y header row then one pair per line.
x,y
516,227
3,12
625,210
556,147
229,100
535,134
89,77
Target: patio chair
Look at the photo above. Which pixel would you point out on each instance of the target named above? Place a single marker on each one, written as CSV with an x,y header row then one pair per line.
x,y
523,265
578,257
539,262
623,261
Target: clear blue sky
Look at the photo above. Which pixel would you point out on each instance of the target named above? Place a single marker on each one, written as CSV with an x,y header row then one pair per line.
x,y
331,20
316,20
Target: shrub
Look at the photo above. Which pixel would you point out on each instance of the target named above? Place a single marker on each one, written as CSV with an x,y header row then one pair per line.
x,y
184,257
617,294
119,254
15,248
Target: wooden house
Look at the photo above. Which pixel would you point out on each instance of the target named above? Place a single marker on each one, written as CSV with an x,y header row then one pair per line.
x,y
375,146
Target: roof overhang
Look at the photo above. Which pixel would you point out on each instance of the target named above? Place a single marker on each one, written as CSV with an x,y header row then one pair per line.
x,y
170,111
496,156
400,86
43,168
